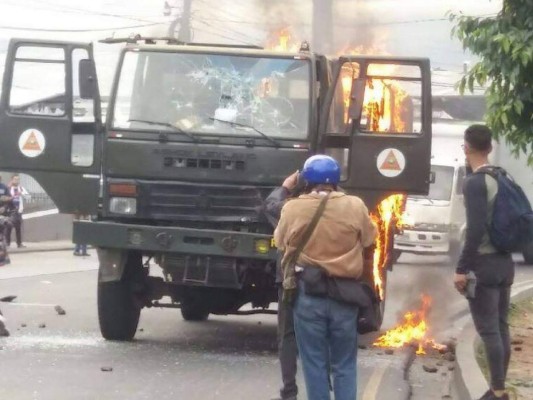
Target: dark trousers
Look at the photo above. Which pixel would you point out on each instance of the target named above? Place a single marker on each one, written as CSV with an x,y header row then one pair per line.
x,y
490,311
288,350
16,222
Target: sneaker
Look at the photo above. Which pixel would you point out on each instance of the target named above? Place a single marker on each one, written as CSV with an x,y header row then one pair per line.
x,y
85,254
77,253
21,246
489,395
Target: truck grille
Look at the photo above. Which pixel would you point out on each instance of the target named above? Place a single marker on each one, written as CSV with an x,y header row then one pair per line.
x,y
191,202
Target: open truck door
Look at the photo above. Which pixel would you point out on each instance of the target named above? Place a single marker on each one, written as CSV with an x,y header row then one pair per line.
x,y
377,124
50,120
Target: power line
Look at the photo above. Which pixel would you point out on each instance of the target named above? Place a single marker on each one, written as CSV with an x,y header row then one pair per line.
x,y
69,9
18,28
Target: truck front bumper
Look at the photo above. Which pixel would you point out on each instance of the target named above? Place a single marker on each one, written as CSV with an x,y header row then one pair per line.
x,y
422,242
158,239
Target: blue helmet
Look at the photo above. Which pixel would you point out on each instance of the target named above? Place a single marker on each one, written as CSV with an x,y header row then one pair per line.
x,y
321,169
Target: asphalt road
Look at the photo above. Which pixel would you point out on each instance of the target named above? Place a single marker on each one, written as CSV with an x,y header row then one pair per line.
x,y
223,358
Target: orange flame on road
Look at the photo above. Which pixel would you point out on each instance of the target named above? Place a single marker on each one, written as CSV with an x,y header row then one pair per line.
x,y
412,330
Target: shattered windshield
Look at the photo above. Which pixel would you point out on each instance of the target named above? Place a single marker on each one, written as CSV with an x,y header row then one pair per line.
x,y
206,93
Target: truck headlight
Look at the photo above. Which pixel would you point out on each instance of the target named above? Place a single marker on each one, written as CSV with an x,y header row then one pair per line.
x,y
123,205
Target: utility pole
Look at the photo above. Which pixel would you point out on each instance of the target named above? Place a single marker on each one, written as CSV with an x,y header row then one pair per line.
x,y
322,26
184,34
184,21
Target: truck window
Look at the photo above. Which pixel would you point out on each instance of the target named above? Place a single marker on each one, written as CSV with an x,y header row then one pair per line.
x,y
391,101
38,83
193,91
441,188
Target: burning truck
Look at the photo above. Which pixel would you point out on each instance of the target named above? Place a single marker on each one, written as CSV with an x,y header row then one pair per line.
x,y
196,136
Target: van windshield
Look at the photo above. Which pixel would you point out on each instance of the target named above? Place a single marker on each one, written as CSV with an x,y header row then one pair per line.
x,y
214,94
441,184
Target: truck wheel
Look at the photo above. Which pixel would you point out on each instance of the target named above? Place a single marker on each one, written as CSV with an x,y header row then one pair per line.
x,y
118,309
528,254
118,313
193,308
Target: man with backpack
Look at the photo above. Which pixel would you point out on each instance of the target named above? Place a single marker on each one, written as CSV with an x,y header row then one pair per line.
x,y
488,192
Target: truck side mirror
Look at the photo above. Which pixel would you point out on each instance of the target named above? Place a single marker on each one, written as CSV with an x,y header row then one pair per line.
x,y
87,79
432,177
357,95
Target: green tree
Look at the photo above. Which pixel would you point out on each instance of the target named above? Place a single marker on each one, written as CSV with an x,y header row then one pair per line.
x,y
504,44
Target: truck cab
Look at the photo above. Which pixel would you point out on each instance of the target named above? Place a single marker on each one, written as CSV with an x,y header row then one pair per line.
x,y
195,138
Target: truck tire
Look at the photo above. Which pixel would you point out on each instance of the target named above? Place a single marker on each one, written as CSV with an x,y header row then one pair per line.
x,y
118,313
528,254
118,308
193,308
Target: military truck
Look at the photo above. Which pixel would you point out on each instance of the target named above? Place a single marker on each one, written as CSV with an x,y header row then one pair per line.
x,y
195,137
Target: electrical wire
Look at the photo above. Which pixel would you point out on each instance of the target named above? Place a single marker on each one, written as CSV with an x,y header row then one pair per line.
x,y
19,28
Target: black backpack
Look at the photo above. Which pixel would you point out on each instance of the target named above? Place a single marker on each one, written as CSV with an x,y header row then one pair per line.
x,y
512,217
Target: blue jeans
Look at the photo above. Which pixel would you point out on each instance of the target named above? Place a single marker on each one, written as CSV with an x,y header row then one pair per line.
x,y
80,248
326,332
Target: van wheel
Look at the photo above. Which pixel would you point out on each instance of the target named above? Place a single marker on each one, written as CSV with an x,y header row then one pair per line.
x,y
193,307
528,254
119,308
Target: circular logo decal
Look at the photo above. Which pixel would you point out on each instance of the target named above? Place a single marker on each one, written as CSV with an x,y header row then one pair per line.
x,y
32,143
391,162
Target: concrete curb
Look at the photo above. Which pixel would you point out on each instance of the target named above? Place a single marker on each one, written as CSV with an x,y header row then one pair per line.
x,y
47,246
470,383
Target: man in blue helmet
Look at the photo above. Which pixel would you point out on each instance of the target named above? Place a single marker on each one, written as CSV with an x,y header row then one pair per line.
x,y
326,329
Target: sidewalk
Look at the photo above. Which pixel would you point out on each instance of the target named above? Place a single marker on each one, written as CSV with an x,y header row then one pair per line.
x,y
33,247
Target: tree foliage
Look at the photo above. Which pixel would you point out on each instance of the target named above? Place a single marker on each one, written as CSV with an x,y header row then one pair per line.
x,y
504,44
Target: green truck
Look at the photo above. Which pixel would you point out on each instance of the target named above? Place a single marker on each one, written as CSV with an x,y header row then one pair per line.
x,y
195,137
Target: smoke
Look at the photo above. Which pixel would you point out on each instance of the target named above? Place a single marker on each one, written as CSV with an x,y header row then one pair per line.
x,y
340,27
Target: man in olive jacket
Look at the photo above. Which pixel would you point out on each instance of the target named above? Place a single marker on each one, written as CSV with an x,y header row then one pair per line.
x,y
288,351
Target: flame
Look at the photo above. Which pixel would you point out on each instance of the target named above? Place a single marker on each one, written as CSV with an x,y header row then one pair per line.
x,y
413,329
282,40
387,216
383,103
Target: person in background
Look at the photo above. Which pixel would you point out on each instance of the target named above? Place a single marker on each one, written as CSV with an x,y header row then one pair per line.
x,y
18,195
287,348
80,249
326,329
5,200
494,270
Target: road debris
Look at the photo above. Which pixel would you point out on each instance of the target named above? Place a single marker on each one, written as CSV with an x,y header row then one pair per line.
x,y
8,299
42,326
60,310
106,369
430,368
